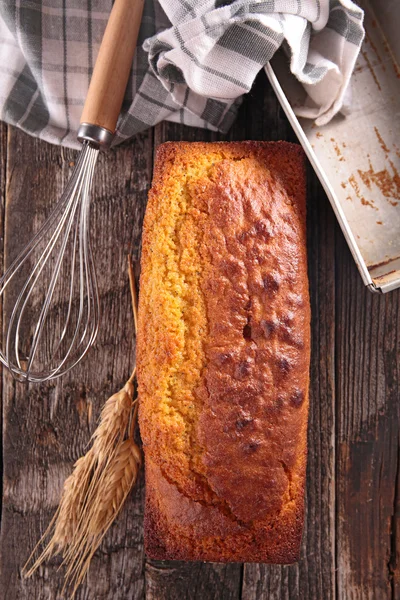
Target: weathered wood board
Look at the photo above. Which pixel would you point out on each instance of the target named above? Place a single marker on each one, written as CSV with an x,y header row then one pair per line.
x,y
351,541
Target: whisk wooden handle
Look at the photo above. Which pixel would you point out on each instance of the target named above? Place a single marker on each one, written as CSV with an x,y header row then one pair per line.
x,y
113,64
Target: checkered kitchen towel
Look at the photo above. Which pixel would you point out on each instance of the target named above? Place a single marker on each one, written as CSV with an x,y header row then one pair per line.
x,y
195,59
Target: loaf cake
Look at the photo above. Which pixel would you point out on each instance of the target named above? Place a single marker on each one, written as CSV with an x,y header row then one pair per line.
x,y
223,352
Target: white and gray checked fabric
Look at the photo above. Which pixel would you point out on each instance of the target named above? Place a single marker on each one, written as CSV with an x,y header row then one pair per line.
x,y
194,61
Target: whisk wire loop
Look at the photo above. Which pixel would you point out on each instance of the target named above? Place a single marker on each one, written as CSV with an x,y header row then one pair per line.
x,y
89,282
67,226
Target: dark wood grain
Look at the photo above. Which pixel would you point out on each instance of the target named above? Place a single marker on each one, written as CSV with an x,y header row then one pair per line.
x,y
173,580
47,427
3,161
3,168
351,543
368,394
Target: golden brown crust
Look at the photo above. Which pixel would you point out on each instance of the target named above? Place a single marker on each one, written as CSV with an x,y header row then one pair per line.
x,y
223,352
176,528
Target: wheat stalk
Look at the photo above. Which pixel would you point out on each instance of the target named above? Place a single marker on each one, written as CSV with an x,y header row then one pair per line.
x,y
114,418
65,521
101,480
72,501
116,484
112,488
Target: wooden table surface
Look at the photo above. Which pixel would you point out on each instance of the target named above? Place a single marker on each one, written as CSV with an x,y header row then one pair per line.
x,y
351,539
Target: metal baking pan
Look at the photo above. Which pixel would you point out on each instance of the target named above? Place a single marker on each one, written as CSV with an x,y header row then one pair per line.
x,y
357,157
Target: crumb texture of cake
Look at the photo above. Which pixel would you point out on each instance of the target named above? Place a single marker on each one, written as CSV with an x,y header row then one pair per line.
x,y
223,352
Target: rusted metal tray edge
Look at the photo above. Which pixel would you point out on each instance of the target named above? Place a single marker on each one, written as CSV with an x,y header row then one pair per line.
x,y
357,155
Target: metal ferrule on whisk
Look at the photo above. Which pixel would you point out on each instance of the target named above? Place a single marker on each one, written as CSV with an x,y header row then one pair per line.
x,y
98,137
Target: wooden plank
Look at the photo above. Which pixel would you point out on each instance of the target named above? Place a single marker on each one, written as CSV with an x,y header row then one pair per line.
x,y
394,562
3,167
368,395
318,562
175,580
3,160
47,427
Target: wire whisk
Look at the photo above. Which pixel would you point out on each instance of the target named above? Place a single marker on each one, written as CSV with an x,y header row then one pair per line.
x,y
62,241
54,315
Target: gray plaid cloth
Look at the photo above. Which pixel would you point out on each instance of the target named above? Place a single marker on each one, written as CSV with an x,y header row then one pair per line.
x,y
194,61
